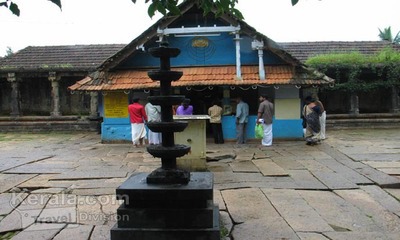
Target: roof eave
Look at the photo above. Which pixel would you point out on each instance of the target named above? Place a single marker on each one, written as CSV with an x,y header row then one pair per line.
x,y
151,32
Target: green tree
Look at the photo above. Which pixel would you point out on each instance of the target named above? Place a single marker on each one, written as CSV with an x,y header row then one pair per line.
x,y
9,52
386,35
13,7
163,6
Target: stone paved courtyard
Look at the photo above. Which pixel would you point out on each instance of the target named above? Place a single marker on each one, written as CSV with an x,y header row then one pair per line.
x,y
62,186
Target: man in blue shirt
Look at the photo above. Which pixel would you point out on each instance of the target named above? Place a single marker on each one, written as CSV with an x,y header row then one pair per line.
x,y
242,117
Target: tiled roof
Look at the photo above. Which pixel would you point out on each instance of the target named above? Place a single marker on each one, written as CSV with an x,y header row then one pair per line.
x,y
55,58
200,76
89,57
304,50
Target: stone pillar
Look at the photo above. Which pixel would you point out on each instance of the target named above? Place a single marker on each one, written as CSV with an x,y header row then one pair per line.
x,y
94,103
15,95
395,100
55,93
354,106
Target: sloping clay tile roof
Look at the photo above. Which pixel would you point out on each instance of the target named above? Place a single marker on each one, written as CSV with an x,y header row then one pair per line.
x,y
196,76
59,58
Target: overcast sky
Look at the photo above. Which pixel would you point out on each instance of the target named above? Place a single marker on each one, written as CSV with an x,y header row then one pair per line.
x,y
42,23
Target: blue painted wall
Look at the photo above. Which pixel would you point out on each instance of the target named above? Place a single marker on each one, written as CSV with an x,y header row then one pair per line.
x,y
116,129
221,50
281,129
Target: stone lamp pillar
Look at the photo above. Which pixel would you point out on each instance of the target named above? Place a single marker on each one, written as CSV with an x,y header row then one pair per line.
x,y
169,203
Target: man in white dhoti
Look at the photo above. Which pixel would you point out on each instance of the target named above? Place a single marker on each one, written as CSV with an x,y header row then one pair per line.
x,y
137,117
153,113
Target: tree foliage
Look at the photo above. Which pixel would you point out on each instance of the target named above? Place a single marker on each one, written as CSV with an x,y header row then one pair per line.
x,y
9,52
163,6
386,35
13,7
356,72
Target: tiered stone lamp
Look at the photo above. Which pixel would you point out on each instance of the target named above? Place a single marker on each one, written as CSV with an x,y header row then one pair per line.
x,y
169,203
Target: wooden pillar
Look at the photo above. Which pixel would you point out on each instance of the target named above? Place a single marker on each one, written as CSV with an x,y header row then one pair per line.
x,y
395,100
354,105
55,93
94,103
15,95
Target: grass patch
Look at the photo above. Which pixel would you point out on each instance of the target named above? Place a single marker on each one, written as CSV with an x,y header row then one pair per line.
x,y
8,235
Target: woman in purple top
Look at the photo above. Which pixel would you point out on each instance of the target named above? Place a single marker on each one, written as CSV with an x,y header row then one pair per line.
x,y
185,108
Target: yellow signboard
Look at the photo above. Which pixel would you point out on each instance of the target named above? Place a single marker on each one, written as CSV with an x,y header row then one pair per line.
x,y
116,105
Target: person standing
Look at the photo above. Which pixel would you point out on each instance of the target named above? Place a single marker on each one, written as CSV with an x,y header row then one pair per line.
x,y
264,116
137,117
215,113
185,108
153,113
311,113
242,117
322,118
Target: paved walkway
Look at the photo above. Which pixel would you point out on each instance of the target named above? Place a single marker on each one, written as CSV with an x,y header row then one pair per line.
x,y
61,186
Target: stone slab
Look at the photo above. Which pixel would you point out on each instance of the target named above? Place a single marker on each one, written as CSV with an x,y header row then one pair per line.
x,y
219,167
93,191
385,220
245,204
74,231
42,181
9,181
395,192
361,235
262,184
9,201
311,236
380,178
264,228
338,213
244,156
376,157
258,154
73,175
58,215
345,171
243,166
332,179
101,232
49,190
61,208
305,180
269,168
25,213
390,171
96,183
147,169
383,164
218,200
6,164
40,231
288,163
44,166
296,211
218,156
